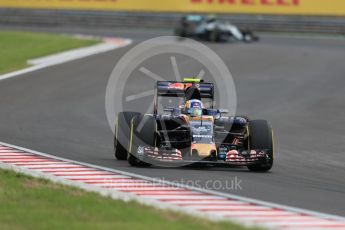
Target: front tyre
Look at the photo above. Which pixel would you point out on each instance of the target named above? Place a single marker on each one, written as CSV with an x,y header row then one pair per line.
x,y
136,162
249,37
143,134
261,138
122,131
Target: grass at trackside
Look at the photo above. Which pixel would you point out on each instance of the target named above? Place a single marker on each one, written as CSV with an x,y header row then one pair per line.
x,y
18,47
30,203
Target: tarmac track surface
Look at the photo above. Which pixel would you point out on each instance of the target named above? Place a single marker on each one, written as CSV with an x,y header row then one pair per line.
x,y
296,83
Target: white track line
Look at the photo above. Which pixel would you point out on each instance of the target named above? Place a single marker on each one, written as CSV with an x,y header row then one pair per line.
x,y
108,44
162,194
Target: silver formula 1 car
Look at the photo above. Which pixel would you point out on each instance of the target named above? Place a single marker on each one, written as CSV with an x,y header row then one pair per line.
x,y
211,29
191,132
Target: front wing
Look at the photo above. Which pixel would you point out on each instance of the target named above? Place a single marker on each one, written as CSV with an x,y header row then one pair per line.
x,y
231,158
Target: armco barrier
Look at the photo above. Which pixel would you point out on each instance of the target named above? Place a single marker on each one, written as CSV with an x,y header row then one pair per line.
x,y
81,18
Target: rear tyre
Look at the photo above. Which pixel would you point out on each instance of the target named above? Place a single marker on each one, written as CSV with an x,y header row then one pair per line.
x,y
214,35
143,134
122,131
261,137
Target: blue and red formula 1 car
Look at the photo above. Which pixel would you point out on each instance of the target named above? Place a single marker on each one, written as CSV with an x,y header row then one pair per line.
x,y
191,132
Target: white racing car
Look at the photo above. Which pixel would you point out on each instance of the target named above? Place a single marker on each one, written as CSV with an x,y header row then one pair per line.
x,y
211,29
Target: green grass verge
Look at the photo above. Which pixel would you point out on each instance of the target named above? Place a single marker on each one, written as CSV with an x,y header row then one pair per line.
x,y
30,203
18,47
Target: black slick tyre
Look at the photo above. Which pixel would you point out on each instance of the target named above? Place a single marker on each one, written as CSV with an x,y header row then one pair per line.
x,y
122,131
261,137
143,133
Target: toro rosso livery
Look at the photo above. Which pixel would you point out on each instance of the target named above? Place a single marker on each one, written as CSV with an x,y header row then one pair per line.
x,y
192,131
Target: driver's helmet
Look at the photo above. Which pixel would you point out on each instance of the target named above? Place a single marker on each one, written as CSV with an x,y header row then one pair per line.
x,y
194,108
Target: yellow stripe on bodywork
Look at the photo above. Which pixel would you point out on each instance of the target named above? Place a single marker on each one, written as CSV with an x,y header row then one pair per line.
x,y
131,137
248,134
116,127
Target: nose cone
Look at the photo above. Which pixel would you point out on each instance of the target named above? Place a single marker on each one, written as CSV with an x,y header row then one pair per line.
x,y
203,150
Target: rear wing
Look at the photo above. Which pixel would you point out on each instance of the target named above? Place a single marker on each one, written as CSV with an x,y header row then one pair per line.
x,y
178,89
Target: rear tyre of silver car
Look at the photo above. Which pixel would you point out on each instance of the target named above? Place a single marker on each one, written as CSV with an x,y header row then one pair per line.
x,y
214,35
